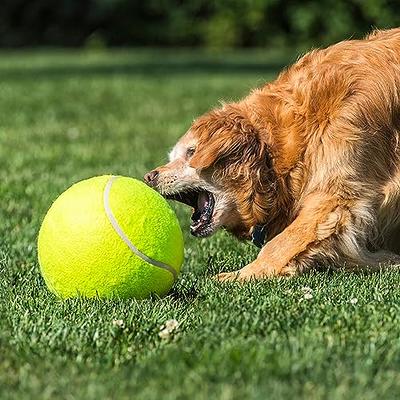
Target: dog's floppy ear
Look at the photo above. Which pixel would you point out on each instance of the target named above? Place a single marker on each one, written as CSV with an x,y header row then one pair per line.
x,y
225,135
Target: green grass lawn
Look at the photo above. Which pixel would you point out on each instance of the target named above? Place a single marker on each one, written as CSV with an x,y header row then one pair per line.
x,y
65,116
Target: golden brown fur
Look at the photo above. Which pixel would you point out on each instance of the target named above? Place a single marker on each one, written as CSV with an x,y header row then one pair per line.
x,y
313,155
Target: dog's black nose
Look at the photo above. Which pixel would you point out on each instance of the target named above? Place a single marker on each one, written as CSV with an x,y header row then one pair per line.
x,y
151,177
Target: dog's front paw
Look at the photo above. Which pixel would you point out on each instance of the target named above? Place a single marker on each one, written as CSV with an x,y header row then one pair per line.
x,y
227,276
252,271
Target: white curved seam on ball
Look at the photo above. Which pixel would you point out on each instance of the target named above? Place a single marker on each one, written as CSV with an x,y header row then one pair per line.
x,y
122,235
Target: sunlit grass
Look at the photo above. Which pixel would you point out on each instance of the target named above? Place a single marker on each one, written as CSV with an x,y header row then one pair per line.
x,y
66,116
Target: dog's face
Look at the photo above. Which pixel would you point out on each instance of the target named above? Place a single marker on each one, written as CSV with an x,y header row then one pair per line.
x,y
216,168
181,180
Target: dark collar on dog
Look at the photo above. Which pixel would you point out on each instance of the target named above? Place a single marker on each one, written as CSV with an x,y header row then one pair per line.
x,y
258,235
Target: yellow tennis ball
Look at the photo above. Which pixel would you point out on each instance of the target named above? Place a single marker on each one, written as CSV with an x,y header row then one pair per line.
x,y
110,236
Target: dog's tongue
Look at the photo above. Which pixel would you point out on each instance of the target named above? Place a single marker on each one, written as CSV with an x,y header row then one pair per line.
x,y
202,214
202,211
202,202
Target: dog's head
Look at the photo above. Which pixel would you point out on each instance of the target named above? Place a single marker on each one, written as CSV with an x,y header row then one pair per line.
x,y
222,168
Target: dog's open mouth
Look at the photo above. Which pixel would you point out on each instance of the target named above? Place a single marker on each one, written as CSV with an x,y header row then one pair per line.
x,y
203,208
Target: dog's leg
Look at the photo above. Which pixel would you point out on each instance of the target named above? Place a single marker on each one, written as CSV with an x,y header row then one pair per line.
x,y
324,227
392,240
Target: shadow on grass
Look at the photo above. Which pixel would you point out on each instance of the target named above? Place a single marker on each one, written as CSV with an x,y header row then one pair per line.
x,y
156,68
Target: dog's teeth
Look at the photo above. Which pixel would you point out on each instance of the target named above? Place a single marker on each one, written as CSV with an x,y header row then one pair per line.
x,y
196,215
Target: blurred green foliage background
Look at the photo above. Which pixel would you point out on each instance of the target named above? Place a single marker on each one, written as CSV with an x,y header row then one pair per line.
x,y
214,24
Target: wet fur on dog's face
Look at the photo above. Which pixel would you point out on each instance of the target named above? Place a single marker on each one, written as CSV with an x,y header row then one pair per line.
x,y
219,167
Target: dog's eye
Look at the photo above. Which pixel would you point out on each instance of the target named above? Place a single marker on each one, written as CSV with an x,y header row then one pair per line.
x,y
190,151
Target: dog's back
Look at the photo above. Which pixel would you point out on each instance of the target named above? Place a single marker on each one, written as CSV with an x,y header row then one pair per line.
x,y
343,104
371,70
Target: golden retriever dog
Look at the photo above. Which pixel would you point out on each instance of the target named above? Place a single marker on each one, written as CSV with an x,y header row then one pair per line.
x,y
307,165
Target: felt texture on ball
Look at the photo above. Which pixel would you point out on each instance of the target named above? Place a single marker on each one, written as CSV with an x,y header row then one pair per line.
x,y
82,254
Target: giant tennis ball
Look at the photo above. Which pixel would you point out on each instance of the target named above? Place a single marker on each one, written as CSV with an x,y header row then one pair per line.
x,y
110,236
